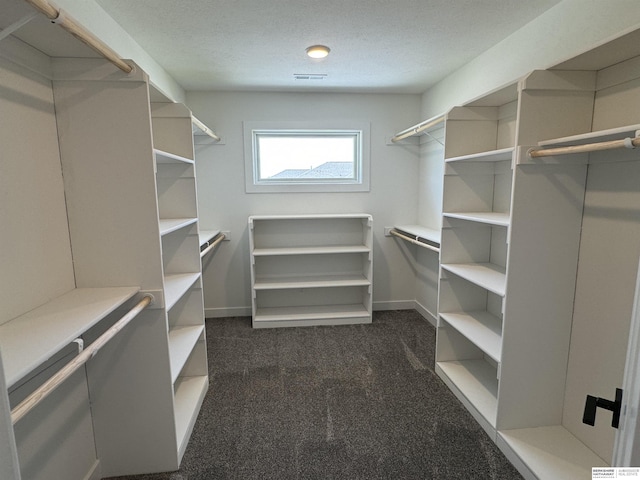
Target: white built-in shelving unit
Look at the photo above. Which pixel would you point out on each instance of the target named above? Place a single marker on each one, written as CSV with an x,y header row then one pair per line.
x,y
109,213
180,241
478,177
32,339
311,269
522,238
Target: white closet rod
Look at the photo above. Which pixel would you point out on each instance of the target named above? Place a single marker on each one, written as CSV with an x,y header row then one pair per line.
x,y
57,16
212,245
205,129
414,241
411,131
50,385
587,147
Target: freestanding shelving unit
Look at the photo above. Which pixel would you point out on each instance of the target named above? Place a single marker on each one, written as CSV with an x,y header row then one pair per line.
x,y
311,269
109,211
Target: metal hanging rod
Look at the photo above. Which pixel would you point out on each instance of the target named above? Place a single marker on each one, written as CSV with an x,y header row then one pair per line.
x,y
212,245
416,129
587,147
396,233
201,126
59,17
50,385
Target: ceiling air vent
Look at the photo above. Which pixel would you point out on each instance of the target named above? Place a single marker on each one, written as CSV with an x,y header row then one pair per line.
x,y
309,76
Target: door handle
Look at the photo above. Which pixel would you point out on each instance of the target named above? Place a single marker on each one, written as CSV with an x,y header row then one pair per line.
x,y
592,403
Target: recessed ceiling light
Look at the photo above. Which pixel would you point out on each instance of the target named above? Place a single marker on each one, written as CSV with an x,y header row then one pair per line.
x,y
318,51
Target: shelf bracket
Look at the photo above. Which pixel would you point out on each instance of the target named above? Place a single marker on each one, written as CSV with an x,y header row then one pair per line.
x,y
592,403
4,33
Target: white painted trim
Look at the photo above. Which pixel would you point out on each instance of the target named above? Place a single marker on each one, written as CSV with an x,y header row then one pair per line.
x,y
227,312
626,450
362,185
95,473
426,313
9,464
377,306
394,305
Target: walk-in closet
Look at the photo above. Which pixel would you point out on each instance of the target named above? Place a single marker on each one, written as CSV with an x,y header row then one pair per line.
x,y
499,205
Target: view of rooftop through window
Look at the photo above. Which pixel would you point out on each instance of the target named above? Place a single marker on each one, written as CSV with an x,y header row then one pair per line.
x,y
322,155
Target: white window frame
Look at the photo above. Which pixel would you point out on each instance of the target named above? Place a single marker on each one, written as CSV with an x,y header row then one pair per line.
x,y
254,185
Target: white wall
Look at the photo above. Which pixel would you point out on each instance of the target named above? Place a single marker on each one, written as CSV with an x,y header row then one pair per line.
x,y
93,17
569,28
224,204
564,31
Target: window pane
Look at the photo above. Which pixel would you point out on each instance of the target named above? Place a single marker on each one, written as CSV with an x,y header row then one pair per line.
x,y
307,158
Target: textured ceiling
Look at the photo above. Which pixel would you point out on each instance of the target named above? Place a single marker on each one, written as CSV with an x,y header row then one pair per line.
x,y
389,46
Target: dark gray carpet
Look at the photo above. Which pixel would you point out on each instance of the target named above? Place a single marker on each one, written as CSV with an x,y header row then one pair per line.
x,y
347,402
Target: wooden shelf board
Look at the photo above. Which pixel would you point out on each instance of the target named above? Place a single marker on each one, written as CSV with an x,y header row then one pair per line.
x,y
317,281
491,218
486,275
482,329
205,235
259,252
182,340
592,137
175,286
490,156
475,383
31,339
166,157
550,452
426,233
315,312
168,225
188,396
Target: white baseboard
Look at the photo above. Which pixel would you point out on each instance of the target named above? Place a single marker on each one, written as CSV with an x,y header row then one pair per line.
x,y
426,313
227,312
377,306
407,305
95,472
394,305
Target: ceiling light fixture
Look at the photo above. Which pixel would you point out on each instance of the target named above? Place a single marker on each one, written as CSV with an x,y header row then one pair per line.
x,y
318,51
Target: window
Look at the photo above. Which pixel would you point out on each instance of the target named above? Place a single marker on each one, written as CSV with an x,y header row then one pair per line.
x,y
294,158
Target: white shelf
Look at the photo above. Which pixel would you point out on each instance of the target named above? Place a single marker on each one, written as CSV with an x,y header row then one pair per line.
x,y
482,329
205,235
168,225
175,286
592,137
166,157
486,275
31,339
491,218
181,343
490,156
311,313
188,396
474,383
321,250
319,216
317,281
420,232
549,452
326,279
